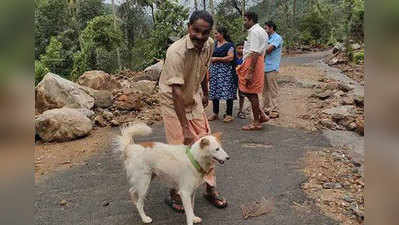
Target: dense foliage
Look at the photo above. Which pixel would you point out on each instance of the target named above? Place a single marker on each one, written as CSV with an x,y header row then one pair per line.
x,y
72,36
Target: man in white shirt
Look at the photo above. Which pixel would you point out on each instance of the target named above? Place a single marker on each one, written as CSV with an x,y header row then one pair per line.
x,y
250,73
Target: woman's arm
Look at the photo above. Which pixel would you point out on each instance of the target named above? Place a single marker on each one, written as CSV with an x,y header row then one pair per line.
x,y
228,58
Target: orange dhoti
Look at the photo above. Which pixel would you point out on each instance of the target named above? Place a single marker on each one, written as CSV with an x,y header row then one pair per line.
x,y
198,127
256,86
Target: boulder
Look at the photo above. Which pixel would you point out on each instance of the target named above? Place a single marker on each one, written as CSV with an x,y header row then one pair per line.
x,y
56,92
87,112
129,101
154,71
98,80
102,99
63,124
145,86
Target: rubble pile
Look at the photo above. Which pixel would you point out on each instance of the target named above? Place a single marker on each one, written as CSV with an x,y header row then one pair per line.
x,y
334,106
97,97
336,184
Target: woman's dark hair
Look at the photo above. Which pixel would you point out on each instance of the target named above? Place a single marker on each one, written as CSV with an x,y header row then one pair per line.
x,y
252,16
271,24
201,14
223,31
241,43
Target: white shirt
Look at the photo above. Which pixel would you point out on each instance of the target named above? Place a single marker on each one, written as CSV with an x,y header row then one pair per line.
x,y
256,41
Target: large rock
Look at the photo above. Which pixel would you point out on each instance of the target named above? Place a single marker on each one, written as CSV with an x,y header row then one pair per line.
x,y
145,86
56,92
129,101
98,80
102,99
63,124
154,71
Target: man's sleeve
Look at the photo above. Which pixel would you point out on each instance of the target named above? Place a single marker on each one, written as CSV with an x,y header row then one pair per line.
x,y
257,42
276,42
174,68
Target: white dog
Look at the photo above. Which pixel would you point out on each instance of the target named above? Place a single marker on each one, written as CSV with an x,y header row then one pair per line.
x,y
179,166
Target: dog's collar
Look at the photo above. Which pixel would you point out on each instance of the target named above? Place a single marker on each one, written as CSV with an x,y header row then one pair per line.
x,y
194,162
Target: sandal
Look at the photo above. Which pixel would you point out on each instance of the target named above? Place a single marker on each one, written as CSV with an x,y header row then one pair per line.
x,y
228,119
250,127
241,115
175,204
216,200
213,117
264,119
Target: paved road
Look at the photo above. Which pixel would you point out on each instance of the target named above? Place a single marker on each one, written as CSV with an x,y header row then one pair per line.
x,y
263,164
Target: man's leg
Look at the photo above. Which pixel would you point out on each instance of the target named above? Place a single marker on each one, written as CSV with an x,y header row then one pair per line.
x,y
258,114
270,93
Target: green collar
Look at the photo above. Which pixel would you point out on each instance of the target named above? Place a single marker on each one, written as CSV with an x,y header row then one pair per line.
x,y
194,162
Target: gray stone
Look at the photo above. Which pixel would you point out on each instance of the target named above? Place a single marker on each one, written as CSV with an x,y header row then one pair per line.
x,y
345,86
102,99
144,86
355,46
62,125
340,111
307,83
56,92
88,113
108,115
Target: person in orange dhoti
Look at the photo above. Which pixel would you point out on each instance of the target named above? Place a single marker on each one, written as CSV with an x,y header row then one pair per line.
x,y
250,73
183,86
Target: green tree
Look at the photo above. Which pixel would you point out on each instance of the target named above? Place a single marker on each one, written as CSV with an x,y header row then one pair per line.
x,y
98,42
53,59
87,10
50,18
169,22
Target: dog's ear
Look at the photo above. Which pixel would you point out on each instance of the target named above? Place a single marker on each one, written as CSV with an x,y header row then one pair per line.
x,y
204,142
218,136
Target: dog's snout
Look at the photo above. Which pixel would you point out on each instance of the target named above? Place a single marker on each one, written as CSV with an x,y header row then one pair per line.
x,y
228,157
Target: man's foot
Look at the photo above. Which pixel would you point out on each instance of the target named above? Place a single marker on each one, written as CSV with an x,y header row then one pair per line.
x,y
175,203
252,126
274,115
263,118
241,115
215,199
228,119
213,117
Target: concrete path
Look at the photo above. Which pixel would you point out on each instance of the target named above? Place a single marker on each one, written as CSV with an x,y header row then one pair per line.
x,y
264,163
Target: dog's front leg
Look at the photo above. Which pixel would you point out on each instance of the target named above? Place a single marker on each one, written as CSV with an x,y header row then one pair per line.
x,y
196,219
186,198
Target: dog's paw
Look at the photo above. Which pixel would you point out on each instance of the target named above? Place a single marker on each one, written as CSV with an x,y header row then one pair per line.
x,y
196,219
147,219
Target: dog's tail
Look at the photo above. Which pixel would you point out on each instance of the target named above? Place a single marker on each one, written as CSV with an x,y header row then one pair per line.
x,y
128,132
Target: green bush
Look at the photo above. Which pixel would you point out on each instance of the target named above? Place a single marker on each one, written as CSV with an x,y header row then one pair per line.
x,y
358,57
98,43
40,71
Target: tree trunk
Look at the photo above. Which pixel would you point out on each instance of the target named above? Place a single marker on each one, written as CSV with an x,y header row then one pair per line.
x,y
294,13
212,12
152,13
117,49
196,4
204,4
243,13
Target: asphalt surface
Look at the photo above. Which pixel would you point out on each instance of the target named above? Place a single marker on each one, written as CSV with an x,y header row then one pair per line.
x,y
263,163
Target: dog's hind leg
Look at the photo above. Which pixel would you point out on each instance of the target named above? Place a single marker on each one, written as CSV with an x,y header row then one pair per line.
x,y
142,188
